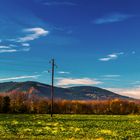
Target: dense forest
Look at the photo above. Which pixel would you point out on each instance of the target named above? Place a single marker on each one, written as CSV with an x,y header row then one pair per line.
x,y
18,102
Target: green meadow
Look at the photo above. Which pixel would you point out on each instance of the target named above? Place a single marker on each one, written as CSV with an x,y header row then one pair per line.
x,y
86,127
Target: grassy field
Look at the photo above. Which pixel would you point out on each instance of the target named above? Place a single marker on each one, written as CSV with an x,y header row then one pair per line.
x,y
70,127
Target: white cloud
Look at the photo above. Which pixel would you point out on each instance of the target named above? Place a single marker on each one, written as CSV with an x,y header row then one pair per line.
x,y
55,3
63,72
11,49
8,51
130,92
4,47
14,50
19,77
76,81
25,44
105,59
116,17
111,56
34,33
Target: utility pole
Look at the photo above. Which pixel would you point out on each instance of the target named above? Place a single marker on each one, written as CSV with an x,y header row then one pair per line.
x,y
52,85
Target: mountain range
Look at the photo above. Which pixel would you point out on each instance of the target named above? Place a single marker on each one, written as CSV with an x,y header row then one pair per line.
x,y
71,93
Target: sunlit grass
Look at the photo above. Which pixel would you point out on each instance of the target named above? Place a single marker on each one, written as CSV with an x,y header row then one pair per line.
x,y
70,127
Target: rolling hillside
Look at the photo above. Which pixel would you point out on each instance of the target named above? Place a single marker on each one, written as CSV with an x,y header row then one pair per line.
x,y
72,93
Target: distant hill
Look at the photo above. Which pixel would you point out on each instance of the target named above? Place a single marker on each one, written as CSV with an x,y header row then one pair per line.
x,y
72,93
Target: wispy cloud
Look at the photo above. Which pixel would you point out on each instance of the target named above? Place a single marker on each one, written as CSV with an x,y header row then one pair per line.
x,y
31,34
112,56
77,81
19,77
64,72
130,92
20,42
4,47
25,44
136,83
56,3
112,18
34,33
13,49
8,51
111,76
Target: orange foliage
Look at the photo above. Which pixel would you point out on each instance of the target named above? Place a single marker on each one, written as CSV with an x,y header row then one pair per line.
x,y
22,102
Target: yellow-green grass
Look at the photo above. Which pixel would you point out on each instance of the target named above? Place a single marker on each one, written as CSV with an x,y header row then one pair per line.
x,y
86,127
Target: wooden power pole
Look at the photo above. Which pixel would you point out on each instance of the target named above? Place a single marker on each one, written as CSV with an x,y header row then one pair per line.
x,y
52,85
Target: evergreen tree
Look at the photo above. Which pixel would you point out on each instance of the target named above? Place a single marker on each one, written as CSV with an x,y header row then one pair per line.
x,y
6,104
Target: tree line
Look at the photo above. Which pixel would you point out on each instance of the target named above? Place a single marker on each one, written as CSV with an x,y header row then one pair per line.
x,y
19,102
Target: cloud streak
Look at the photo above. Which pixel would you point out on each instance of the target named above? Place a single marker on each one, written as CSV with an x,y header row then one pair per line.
x,y
19,77
63,72
25,44
4,47
8,51
112,56
13,49
116,17
77,81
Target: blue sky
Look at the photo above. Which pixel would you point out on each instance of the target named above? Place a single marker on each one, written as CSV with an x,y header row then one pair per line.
x,y
94,42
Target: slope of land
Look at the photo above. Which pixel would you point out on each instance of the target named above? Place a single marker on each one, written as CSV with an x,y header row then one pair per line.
x,y
72,93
